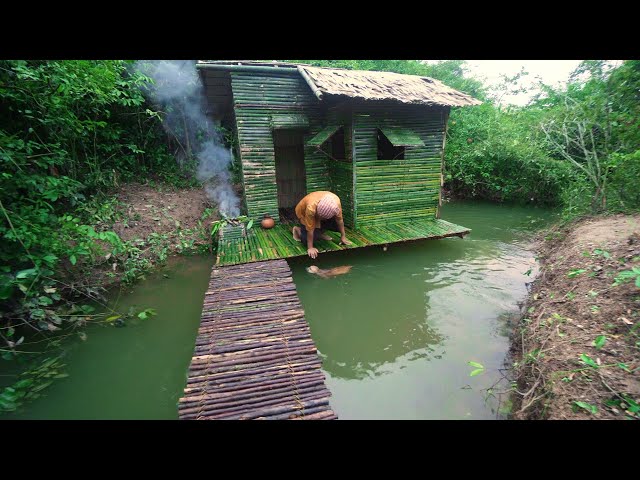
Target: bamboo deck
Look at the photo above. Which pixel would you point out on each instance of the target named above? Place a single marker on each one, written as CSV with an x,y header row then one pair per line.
x,y
254,357
278,242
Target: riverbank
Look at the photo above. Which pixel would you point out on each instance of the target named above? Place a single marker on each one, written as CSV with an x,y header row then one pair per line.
x,y
155,222
577,346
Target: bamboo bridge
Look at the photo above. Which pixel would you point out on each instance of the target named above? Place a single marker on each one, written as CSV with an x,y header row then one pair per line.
x,y
254,356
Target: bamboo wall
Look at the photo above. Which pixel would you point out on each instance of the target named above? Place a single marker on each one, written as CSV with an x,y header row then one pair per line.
x,y
256,97
377,191
341,172
397,190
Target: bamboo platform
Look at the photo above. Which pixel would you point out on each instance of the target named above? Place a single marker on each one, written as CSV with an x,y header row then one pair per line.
x,y
254,357
259,244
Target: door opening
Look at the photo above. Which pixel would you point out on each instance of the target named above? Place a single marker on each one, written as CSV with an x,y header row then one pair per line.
x,y
290,172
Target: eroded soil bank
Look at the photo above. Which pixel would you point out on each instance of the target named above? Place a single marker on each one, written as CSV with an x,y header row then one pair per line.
x,y
577,347
156,222
148,210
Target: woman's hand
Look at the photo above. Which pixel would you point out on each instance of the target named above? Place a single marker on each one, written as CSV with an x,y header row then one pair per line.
x,y
344,241
312,252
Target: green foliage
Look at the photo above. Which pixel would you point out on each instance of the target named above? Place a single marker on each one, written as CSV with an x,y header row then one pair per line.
x,y
147,313
496,154
533,356
600,341
479,368
69,130
587,360
626,403
604,253
78,119
586,406
574,273
633,406
31,384
593,125
624,367
628,276
623,190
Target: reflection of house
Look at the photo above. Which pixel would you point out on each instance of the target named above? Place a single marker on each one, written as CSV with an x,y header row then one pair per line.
x,y
376,139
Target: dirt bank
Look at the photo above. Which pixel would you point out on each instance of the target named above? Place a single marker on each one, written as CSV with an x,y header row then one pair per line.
x,y
577,347
148,210
156,222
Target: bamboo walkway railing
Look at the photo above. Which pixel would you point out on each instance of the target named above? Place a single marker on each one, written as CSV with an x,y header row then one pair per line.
x,y
254,357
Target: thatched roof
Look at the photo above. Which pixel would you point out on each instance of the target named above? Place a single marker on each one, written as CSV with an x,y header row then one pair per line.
x,y
360,84
372,85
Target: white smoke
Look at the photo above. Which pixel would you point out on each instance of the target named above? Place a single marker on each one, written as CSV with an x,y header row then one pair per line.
x,y
213,171
178,90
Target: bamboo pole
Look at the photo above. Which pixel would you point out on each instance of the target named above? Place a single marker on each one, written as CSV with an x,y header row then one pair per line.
x,y
236,395
253,398
276,413
248,68
250,368
243,377
314,88
235,412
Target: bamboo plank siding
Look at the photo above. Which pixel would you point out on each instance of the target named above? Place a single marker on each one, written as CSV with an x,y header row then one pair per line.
x,y
257,98
254,358
397,190
260,244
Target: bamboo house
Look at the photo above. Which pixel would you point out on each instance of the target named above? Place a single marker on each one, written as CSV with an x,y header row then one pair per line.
x,y
376,139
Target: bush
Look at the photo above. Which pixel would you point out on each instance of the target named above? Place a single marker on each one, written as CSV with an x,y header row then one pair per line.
x,y
495,154
68,129
623,190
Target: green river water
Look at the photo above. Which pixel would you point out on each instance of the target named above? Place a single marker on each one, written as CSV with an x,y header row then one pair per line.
x,y
395,334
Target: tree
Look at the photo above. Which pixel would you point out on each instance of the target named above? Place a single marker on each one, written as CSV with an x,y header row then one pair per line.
x,y
593,124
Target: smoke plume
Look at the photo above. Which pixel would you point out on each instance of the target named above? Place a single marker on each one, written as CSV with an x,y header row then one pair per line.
x,y
178,91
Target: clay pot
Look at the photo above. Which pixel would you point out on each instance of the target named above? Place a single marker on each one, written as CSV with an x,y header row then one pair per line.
x,y
267,222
